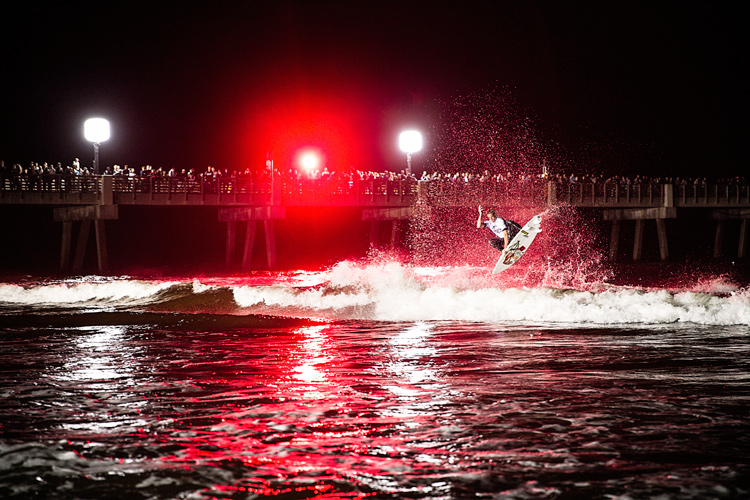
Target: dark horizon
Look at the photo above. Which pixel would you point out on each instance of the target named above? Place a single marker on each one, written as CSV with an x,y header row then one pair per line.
x,y
624,89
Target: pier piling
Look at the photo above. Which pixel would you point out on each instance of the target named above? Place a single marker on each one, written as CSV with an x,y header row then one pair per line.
x,y
251,215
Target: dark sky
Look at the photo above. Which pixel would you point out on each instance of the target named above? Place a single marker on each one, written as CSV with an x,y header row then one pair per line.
x,y
627,87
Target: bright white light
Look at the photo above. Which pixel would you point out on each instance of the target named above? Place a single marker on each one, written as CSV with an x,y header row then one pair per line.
x,y
410,141
96,130
309,159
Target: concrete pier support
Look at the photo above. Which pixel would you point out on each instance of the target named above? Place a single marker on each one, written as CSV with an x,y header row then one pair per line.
x,y
640,215
396,216
661,231
270,243
722,217
251,216
247,248
230,245
67,234
718,238
374,232
614,239
638,242
85,214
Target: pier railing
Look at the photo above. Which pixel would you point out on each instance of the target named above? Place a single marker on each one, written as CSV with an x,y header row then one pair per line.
x,y
345,191
608,193
349,192
276,191
712,194
649,194
64,183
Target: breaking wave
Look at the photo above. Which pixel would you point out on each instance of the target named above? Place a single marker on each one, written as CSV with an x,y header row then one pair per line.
x,y
389,291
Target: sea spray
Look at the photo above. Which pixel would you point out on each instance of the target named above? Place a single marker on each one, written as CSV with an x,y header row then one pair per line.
x,y
486,152
392,291
486,130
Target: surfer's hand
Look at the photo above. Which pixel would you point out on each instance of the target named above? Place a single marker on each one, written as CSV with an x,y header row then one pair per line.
x,y
480,209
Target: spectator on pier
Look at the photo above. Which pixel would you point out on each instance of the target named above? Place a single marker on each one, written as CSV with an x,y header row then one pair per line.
x,y
504,230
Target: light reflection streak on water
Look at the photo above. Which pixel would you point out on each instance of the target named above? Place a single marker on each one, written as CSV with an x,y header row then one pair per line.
x,y
97,357
410,364
102,359
312,356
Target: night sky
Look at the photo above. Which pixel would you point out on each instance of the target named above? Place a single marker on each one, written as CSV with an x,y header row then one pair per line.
x,y
623,87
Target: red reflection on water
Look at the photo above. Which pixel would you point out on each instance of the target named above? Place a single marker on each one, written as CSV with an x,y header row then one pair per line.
x,y
283,436
292,417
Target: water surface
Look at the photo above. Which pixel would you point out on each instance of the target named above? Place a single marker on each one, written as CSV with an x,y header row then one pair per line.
x,y
299,386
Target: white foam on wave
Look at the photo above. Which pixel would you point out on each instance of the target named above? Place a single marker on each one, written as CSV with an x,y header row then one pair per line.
x,y
76,293
393,292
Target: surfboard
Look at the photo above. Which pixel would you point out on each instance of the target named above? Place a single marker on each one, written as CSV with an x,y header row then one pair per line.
x,y
519,244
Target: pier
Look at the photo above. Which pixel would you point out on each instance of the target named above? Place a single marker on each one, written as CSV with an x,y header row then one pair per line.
x,y
89,201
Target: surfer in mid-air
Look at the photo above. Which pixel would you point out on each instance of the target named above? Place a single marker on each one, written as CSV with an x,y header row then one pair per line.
x,y
504,229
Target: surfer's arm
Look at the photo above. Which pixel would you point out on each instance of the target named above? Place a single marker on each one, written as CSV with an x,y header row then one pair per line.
x,y
480,224
505,237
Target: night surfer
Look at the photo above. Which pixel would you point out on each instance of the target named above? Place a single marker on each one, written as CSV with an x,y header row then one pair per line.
x,y
504,230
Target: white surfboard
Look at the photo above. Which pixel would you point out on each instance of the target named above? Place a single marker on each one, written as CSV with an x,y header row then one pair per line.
x,y
519,244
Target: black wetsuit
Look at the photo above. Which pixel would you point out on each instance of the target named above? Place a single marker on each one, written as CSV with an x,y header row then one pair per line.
x,y
513,228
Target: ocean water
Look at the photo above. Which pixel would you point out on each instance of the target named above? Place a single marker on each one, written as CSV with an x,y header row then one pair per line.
x,y
374,379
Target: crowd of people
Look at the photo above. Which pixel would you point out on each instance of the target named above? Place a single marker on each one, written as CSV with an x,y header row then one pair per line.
x,y
505,177
41,176
38,169
45,176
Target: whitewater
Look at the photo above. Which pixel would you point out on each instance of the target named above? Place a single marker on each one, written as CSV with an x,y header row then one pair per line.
x,y
393,291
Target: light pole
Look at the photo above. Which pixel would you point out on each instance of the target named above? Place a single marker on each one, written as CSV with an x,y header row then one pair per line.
x,y
96,130
409,141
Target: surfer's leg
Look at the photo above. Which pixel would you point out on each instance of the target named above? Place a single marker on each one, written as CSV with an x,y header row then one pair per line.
x,y
497,244
513,229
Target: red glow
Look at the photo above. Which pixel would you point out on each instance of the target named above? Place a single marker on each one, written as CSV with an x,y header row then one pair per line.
x,y
294,120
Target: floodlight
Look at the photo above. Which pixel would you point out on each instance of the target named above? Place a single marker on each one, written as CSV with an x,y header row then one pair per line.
x,y
96,130
410,141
